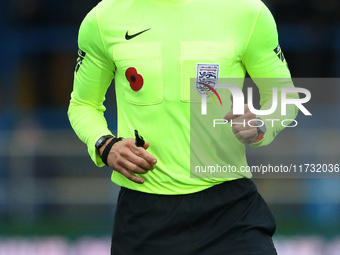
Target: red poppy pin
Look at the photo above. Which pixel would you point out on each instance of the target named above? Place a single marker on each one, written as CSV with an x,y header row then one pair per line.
x,y
135,79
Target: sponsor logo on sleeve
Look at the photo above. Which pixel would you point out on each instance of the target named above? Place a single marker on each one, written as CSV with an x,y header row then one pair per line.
x,y
81,56
279,53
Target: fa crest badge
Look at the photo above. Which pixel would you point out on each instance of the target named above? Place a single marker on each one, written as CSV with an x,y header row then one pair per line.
x,y
207,74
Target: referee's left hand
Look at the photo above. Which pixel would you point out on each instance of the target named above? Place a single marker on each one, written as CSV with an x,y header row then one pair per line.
x,y
243,132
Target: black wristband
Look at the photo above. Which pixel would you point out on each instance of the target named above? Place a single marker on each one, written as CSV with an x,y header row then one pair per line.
x,y
108,149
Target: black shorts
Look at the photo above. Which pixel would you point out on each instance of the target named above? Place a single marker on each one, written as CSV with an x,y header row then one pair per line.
x,y
226,219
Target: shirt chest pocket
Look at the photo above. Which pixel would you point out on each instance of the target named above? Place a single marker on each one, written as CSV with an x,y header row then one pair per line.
x,y
200,54
139,72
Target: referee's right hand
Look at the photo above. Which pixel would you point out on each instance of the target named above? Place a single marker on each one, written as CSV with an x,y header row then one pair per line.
x,y
128,159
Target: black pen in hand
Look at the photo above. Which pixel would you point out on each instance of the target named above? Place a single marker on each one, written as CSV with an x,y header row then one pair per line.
x,y
139,140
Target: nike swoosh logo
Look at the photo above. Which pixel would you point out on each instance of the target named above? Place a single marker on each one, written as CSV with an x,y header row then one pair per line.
x,y
129,37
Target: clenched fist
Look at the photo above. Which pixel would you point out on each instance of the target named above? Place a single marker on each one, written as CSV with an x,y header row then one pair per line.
x,y
128,159
244,133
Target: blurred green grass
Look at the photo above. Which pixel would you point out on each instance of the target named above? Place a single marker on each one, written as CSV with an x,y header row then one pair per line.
x,y
73,229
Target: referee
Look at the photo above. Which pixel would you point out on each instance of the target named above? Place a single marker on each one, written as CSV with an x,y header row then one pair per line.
x,y
151,48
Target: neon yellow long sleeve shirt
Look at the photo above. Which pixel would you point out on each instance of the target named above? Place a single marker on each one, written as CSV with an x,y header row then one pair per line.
x,y
151,48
